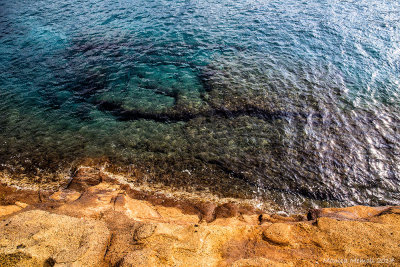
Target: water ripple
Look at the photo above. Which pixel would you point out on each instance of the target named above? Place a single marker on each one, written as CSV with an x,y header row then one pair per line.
x,y
295,103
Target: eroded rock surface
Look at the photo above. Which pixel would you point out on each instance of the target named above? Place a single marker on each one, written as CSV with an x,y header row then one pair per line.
x,y
107,224
39,238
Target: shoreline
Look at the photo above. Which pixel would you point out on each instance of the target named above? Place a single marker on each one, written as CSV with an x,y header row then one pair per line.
x,y
86,177
99,221
157,194
144,189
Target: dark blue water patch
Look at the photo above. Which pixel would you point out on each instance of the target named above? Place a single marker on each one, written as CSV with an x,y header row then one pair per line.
x,y
294,103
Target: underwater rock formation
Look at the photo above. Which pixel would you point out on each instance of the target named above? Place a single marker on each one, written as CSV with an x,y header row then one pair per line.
x,y
239,125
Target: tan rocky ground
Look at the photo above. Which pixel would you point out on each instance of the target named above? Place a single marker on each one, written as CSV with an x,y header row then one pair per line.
x,y
96,221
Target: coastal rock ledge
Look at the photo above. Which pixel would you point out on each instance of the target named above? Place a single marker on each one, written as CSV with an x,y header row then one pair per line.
x,y
105,223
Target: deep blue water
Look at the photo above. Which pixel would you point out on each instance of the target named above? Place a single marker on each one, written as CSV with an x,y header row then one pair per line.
x,y
292,102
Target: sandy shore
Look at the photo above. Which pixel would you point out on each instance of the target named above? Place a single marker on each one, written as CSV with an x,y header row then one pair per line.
x,y
97,220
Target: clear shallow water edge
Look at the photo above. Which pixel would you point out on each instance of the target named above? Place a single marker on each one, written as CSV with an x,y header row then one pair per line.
x,y
287,101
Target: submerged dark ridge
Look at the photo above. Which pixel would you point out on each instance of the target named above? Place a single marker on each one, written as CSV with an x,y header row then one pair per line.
x,y
176,116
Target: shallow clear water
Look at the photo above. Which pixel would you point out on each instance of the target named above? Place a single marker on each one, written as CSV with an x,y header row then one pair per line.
x,y
291,102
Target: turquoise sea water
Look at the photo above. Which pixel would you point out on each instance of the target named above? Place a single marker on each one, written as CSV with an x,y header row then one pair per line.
x,y
292,102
